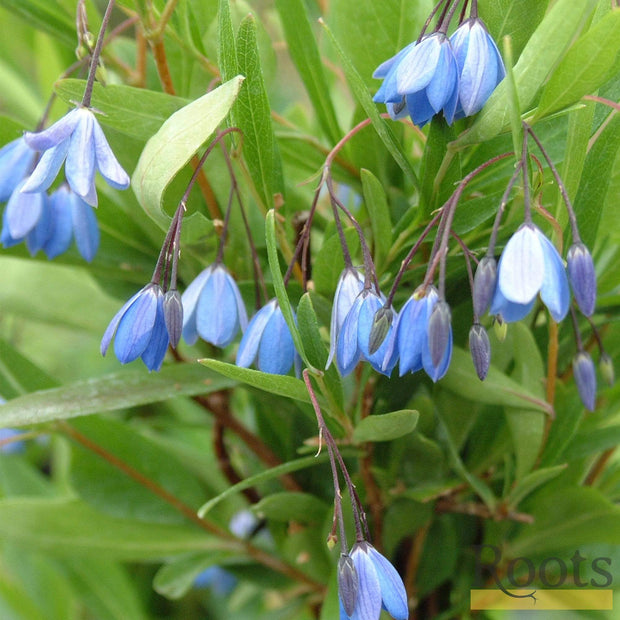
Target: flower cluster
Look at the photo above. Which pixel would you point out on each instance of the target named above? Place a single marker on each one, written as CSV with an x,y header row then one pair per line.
x,y
440,74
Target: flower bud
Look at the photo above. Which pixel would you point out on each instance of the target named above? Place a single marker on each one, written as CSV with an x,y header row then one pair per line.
x,y
380,328
484,285
480,349
582,277
606,366
173,316
439,331
585,378
348,583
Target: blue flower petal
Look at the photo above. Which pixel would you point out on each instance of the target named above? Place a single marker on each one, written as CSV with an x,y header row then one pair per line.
x,y
41,233
85,227
54,135
521,269
441,86
369,597
276,351
47,169
15,160
190,300
113,325
393,591
61,227
347,349
437,372
248,347
23,211
411,330
416,69
80,165
554,291
155,351
509,311
107,164
136,326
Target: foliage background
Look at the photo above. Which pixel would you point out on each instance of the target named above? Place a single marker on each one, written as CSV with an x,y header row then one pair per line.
x,y
80,538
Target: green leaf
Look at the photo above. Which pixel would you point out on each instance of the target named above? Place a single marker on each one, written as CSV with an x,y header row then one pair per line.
x,y
379,213
67,527
252,114
46,15
111,491
308,325
584,68
329,262
110,393
531,482
281,385
594,184
305,54
171,148
227,49
496,389
543,51
386,427
136,112
586,517
18,374
289,506
365,100
595,441
270,474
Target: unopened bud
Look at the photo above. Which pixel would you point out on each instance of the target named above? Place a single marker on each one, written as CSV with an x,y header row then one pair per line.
x,y
500,327
332,541
439,331
484,285
173,316
380,328
606,366
348,583
480,349
582,277
585,378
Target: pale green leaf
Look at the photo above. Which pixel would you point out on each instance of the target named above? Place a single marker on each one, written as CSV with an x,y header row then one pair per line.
x,y
386,427
176,142
289,506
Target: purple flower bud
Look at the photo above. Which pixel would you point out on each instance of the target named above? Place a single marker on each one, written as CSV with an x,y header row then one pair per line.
x,y
348,583
380,327
606,366
480,349
484,285
439,331
582,277
173,316
585,378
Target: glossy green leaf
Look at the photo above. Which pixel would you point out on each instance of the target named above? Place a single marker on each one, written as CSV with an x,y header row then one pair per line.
x,y
281,385
110,393
305,54
308,325
543,51
585,67
586,517
289,506
136,112
227,49
386,426
67,526
365,100
496,389
592,192
176,142
270,474
252,114
111,491
379,213
531,482
46,15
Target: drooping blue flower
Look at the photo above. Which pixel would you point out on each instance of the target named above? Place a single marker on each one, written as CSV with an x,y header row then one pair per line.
x,y
585,378
213,308
529,265
582,277
421,80
268,341
139,329
354,337
16,159
412,335
378,586
350,285
78,139
480,66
